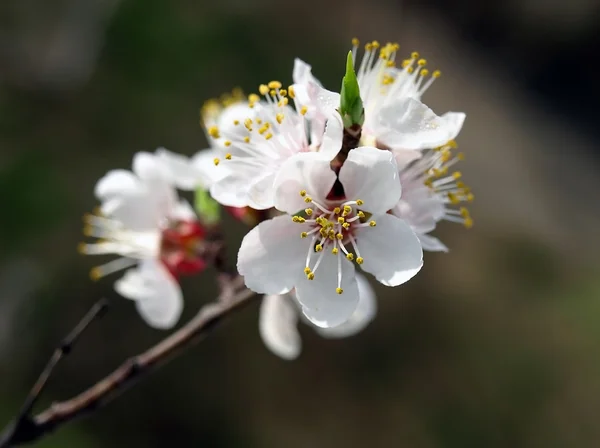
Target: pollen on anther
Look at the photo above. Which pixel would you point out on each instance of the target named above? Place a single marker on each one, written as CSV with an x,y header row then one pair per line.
x,y
360,214
436,74
228,156
213,131
274,85
307,270
334,251
227,143
303,110
318,248
339,236
360,260
302,193
308,199
339,290
303,235
310,276
337,210
372,223
82,248
291,92
468,222
216,161
341,220
415,55
95,274
247,139
269,136
350,256
308,211
263,89
346,225
279,118
355,42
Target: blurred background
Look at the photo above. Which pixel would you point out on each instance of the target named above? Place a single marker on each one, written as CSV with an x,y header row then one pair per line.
x,y
495,344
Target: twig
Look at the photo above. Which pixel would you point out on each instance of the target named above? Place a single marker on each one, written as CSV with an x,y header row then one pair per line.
x,y
23,422
233,297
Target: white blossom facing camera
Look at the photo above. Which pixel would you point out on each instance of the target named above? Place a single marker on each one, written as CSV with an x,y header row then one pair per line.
x,y
142,220
253,139
431,193
280,314
395,118
314,246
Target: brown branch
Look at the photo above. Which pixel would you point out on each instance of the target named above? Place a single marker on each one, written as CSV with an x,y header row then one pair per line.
x,y
26,428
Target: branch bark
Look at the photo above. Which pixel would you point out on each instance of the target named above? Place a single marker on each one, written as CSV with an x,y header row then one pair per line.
x,y
27,428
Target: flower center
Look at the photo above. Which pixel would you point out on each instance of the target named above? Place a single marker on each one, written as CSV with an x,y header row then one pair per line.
x,y
332,231
176,245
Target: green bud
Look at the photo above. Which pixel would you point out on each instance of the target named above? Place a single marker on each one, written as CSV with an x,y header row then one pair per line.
x,y
209,210
351,106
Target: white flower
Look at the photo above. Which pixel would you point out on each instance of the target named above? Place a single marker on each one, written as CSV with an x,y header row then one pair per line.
x,y
430,193
310,249
253,140
279,315
142,220
394,115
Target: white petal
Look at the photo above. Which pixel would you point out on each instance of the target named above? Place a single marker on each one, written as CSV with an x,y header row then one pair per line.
x,y
204,164
183,211
278,326
332,139
370,174
391,250
327,101
182,171
261,193
156,293
148,167
404,157
272,255
302,73
306,171
409,124
321,304
432,244
117,183
232,190
362,316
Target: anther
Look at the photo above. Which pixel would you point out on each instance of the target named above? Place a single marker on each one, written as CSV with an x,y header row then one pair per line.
x,y
263,89
308,199
372,223
318,248
350,256
303,110
359,260
279,118
228,156
308,211
216,161
274,85
359,202
307,270
269,136
346,225
310,276
339,236
341,220
213,131
360,214
339,290
303,235
334,251
95,274
247,139
291,92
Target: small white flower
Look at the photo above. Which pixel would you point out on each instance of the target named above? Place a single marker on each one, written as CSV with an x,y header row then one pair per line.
x,y
254,138
394,115
312,249
142,220
430,193
279,315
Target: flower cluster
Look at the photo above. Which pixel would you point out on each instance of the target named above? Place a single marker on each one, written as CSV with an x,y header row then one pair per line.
x,y
331,184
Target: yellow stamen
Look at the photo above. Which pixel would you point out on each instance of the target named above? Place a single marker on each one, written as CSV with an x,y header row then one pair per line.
x,y
334,251
308,211
303,235
360,260
318,248
274,85
350,256
359,202
228,156
213,131
263,89
303,110
310,276
339,290
372,223
216,161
